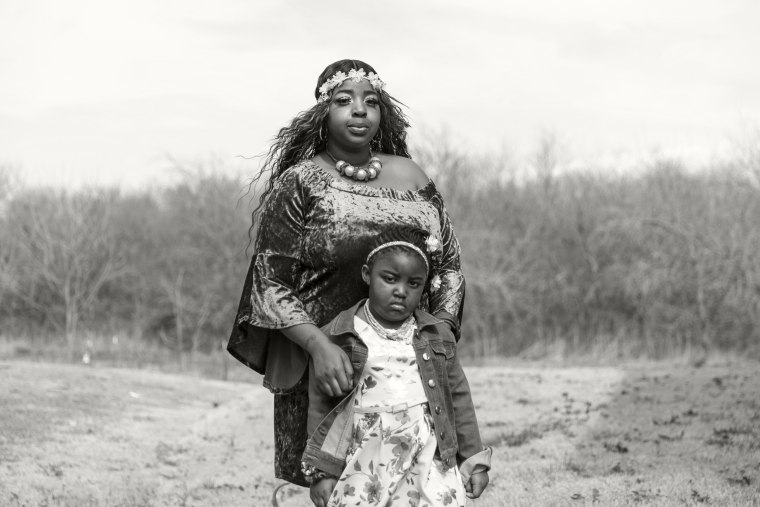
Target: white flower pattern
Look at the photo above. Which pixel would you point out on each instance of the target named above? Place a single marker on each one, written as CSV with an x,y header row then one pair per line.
x,y
356,75
432,244
392,455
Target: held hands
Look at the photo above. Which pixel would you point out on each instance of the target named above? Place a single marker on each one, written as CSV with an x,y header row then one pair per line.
x,y
333,373
477,483
321,490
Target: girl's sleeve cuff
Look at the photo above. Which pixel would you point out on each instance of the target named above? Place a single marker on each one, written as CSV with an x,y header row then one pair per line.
x,y
480,462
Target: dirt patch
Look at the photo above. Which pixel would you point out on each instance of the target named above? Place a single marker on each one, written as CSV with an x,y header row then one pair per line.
x,y
77,436
647,434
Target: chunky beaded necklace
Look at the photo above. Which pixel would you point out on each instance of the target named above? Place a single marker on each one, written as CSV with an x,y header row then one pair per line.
x,y
366,172
404,333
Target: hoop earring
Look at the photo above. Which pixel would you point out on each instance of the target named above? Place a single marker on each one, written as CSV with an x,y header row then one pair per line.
x,y
322,136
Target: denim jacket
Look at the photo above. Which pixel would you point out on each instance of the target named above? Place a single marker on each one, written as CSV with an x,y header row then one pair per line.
x,y
330,420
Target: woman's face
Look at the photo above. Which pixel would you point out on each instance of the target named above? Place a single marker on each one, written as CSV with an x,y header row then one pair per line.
x,y
354,115
396,282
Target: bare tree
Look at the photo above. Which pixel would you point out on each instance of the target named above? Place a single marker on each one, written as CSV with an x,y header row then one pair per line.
x,y
747,159
201,257
66,254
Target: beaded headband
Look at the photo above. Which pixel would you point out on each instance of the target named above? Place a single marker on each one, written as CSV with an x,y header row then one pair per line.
x,y
353,74
405,244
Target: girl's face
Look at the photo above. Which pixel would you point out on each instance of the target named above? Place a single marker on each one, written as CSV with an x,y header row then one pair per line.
x,y
396,282
354,115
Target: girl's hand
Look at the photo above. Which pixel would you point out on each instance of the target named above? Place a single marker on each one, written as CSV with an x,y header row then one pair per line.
x,y
321,490
477,483
333,373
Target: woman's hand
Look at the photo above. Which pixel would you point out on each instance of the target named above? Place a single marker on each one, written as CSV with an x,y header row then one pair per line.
x,y
333,373
321,490
477,483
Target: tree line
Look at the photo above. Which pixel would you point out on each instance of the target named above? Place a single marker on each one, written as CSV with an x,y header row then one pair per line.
x,y
656,263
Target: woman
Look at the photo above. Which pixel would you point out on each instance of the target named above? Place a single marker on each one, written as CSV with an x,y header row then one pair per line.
x,y
340,175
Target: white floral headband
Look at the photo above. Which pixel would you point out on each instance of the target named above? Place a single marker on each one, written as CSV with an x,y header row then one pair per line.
x,y
353,74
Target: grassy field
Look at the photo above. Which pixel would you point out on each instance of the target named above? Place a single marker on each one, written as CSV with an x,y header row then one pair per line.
x,y
636,434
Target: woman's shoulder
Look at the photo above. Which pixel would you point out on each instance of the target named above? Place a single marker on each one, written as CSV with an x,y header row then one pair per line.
x,y
301,168
404,168
303,173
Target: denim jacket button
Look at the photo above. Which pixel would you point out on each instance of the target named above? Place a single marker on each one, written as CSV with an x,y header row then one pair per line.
x,y
437,410
425,356
443,436
431,383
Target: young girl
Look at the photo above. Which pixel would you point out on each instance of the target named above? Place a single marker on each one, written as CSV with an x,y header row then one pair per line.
x,y
407,433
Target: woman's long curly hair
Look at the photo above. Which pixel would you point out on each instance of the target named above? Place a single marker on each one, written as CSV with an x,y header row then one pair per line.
x,y
306,134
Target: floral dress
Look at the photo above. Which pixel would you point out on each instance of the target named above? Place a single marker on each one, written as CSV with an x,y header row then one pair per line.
x,y
392,460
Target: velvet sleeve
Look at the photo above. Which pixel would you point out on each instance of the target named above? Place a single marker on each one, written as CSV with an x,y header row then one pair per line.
x,y
277,263
269,301
447,301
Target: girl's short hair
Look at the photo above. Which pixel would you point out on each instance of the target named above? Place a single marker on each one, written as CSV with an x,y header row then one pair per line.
x,y
392,241
305,136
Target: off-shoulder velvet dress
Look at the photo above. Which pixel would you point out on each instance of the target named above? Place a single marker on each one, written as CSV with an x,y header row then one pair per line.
x,y
313,238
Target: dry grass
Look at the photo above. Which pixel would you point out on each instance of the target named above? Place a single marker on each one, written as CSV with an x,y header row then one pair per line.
x,y
641,434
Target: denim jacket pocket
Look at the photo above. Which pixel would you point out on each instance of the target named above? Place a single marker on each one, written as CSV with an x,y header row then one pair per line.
x,y
442,348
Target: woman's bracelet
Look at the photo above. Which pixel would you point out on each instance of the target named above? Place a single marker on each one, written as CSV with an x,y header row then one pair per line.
x,y
314,475
319,475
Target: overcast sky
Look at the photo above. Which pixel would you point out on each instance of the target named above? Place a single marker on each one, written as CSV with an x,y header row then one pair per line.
x,y
104,92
